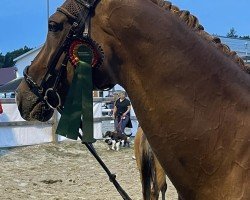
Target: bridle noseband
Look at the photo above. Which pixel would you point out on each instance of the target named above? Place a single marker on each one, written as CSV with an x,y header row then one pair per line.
x,y
80,29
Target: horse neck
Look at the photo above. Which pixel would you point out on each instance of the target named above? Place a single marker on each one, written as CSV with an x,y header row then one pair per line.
x,y
178,84
159,51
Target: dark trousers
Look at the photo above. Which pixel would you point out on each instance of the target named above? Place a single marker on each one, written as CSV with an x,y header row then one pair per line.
x,y
120,124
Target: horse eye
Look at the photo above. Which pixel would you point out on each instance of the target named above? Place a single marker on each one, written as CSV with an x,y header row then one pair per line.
x,y
54,27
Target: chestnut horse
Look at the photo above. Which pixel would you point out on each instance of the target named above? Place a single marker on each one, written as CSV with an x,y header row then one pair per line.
x,y
153,177
190,93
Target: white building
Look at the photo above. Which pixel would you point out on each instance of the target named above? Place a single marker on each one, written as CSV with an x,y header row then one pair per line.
x,y
22,61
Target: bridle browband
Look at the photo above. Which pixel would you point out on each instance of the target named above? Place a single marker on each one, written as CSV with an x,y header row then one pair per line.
x,y
80,28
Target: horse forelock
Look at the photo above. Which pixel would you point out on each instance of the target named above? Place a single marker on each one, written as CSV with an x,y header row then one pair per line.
x,y
193,22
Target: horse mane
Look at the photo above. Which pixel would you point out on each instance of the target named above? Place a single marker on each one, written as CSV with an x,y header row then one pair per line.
x,y
193,22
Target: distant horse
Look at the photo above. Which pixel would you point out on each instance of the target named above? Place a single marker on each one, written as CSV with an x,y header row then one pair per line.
x,y
189,91
153,177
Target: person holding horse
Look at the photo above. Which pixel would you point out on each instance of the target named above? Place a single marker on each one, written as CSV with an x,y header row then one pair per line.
x,y
121,113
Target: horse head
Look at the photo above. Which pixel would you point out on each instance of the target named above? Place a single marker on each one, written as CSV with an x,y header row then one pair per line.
x,y
50,74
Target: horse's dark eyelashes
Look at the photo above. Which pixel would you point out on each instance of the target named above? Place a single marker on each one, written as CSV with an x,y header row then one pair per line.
x,y
54,26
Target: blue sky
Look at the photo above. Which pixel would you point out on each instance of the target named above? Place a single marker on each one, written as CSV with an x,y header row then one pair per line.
x,y
24,22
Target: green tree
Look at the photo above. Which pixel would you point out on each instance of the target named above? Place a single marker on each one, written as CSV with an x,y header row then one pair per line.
x,y
7,60
1,60
232,33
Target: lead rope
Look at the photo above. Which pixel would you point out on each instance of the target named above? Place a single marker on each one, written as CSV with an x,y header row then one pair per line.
x,y
112,177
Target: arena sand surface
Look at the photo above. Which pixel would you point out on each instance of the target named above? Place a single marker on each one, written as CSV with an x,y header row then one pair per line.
x,y
67,171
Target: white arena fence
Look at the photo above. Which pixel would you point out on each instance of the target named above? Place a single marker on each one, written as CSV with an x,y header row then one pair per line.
x,y
15,131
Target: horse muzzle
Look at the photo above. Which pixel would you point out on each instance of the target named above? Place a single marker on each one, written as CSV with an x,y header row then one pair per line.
x,y
30,107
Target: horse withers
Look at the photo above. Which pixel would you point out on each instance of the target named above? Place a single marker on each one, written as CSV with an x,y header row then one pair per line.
x,y
153,177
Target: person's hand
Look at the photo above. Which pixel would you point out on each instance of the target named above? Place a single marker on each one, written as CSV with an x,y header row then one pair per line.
x,y
123,115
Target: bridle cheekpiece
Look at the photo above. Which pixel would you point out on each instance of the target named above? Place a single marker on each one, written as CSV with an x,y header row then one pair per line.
x,y
79,34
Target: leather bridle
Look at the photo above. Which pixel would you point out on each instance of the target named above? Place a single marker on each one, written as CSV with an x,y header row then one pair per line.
x,y
80,29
